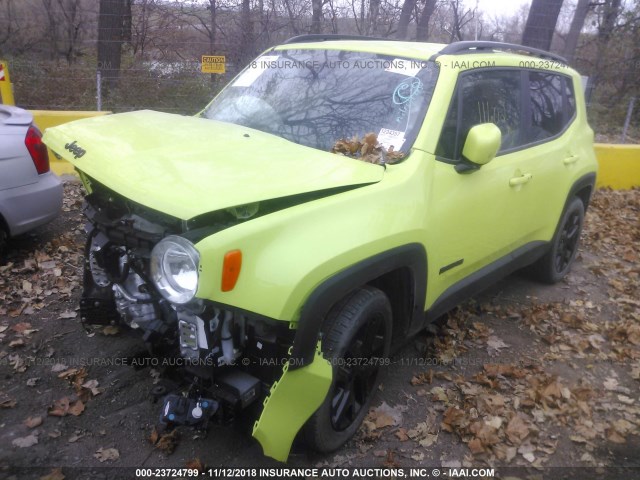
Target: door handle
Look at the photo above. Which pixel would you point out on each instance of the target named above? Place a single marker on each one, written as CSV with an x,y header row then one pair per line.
x,y
520,180
570,160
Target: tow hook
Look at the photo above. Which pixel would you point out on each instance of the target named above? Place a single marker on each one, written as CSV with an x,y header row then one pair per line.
x,y
194,412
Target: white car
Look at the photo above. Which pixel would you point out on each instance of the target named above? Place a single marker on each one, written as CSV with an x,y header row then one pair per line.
x,y
30,193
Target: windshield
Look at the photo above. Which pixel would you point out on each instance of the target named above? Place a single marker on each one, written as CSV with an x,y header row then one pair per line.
x,y
317,97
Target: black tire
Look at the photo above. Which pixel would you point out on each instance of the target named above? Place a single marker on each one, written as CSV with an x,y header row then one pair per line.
x,y
556,263
359,327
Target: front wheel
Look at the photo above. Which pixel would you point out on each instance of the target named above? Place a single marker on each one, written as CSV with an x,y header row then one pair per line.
x,y
557,261
356,339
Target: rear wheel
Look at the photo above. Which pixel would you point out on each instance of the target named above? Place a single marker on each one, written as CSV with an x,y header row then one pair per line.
x,y
557,261
356,339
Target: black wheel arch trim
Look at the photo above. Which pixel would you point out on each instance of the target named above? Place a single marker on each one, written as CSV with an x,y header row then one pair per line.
x,y
588,180
315,309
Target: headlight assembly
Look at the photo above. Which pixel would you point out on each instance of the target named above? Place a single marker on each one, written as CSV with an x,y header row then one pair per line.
x,y
174,269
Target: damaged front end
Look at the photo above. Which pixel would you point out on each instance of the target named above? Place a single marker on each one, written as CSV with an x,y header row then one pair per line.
x,y
141,270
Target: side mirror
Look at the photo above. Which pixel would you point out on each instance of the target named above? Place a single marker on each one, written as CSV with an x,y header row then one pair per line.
x,y
482,143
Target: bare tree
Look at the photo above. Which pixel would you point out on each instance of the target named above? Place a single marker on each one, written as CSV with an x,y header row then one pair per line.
x,y
72,25
541,23
141,26
610,9
422,29
372,17
316,15
52,30
608,12
66,20
202,17
405,18
292,17
334,16
582,8
460,17
247,46
110,40
8,21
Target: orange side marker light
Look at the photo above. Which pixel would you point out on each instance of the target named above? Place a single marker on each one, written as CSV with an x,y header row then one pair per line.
x,y
231,269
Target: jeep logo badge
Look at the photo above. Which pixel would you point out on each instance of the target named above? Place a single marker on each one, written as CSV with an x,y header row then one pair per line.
x,y
74,148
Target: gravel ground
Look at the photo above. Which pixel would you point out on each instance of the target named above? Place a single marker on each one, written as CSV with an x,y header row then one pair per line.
x,y
524,375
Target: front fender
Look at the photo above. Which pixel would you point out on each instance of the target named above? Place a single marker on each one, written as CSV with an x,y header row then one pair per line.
x,y
288,253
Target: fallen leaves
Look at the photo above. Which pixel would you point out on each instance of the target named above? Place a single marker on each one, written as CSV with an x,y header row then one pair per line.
x,y
55,474
66,406
110,330
614,436
422,378
33,422
77,435
76,377
425,433
368,150
505,412
494,370
195,464
381,417
25,442
32,278
495,345
6,401
107,454
166,442
517,430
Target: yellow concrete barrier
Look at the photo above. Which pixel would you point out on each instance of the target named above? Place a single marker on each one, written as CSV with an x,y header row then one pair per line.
x,y
619,166
50,118
6,89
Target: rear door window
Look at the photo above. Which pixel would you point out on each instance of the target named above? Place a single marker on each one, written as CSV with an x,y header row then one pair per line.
x,y
552,105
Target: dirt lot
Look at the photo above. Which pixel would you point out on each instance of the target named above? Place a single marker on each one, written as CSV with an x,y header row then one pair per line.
x,y
525,375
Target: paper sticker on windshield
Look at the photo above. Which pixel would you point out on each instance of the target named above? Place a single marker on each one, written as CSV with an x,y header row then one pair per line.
x,y
391,138
256,69
404,67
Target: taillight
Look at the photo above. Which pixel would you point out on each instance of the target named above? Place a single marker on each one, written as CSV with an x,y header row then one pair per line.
x,y
37,150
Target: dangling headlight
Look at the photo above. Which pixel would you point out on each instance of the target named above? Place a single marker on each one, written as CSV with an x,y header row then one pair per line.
x,y
174,269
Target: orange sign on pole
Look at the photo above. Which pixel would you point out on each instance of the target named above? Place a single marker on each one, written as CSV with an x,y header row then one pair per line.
x,y
213,64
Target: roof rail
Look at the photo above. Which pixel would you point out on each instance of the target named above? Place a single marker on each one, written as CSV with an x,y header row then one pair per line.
x,y
466,46
320,37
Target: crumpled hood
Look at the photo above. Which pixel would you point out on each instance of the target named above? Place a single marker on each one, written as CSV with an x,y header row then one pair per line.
x,y
187,166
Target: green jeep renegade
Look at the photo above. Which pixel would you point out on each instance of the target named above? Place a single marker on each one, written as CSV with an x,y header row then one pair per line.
x,y
336,197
